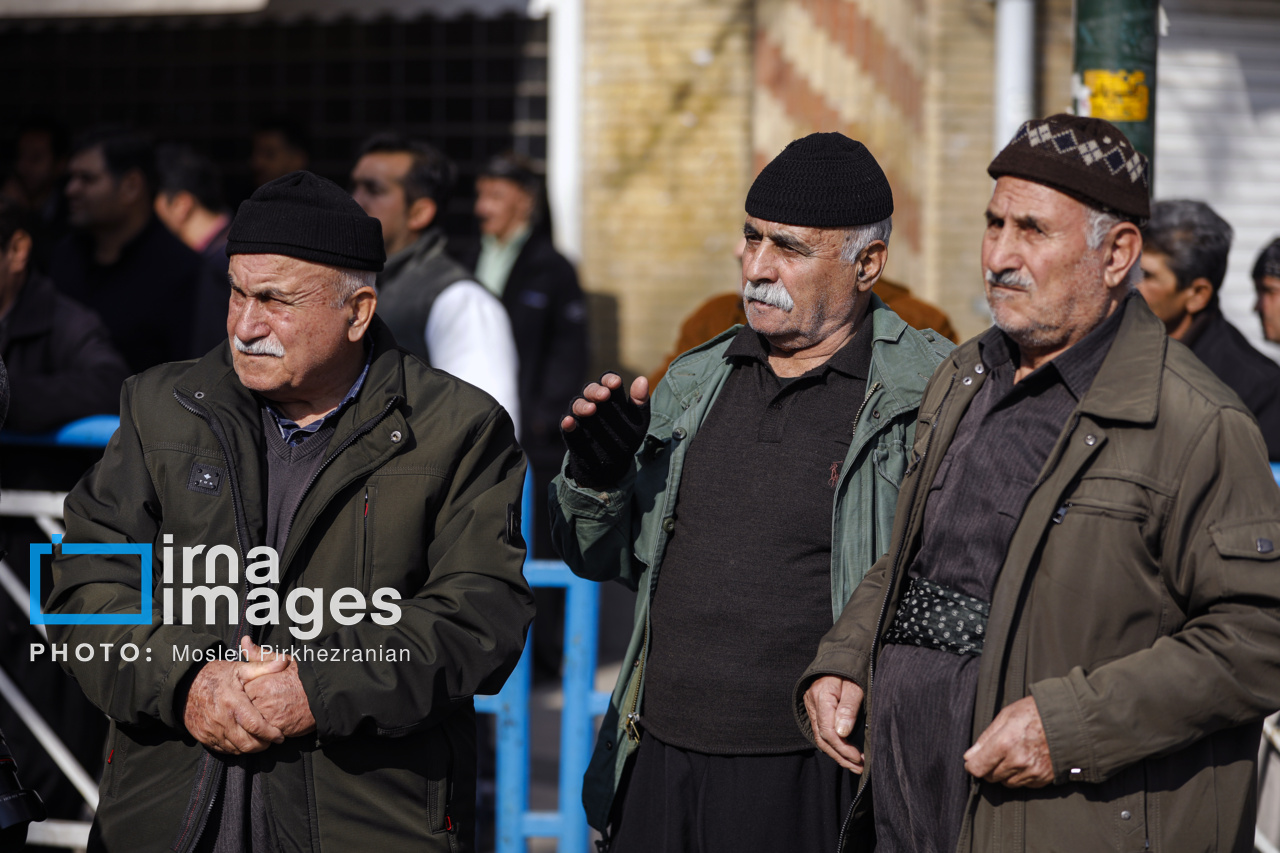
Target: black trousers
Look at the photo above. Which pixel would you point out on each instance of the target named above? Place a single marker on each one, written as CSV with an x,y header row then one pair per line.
x,y
678,801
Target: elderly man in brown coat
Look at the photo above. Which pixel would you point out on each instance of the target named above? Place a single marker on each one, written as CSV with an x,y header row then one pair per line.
x,y
1074,637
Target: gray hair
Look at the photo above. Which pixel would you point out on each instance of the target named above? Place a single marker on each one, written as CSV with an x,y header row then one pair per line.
x,y
1097,226
346,282
859,237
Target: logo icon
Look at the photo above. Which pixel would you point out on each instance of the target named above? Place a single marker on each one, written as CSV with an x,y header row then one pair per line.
x,y
38,617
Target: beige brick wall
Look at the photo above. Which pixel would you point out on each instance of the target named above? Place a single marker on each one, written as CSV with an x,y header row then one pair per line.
x,y
853,66
959,118
666,148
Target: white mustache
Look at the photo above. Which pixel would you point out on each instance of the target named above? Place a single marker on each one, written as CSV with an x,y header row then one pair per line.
x,y
774,294
262,346
1010,278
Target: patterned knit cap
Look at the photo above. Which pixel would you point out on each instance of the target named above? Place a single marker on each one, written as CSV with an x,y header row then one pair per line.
x,y
1086,158
825,180
305,216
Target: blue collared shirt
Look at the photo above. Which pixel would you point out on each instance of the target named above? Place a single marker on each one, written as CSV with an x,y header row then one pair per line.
x,y
292,433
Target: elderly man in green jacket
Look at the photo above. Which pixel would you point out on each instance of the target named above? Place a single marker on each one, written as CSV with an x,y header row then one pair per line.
x,y
314,488
758,486
1075,635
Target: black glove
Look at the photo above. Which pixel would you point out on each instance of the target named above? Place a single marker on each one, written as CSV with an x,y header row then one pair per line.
x,y
602,446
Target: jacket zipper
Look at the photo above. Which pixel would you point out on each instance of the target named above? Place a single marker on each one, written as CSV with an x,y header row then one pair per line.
x,y
241,536
241,539
633,716
876,386
884,606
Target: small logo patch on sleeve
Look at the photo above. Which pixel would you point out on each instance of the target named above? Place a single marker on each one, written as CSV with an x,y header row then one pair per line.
x,y
205,479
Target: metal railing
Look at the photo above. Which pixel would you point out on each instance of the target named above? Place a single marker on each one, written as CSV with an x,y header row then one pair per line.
x,y
582,703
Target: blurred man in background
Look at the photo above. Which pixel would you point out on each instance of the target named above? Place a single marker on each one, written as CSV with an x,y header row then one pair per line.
x,y
120,260
189,201
1184,259
539,288
430,302
1266,280
38,179
280,146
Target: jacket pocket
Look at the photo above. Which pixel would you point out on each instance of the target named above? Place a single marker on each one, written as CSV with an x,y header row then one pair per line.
x,y
890,459
1101,507
441,762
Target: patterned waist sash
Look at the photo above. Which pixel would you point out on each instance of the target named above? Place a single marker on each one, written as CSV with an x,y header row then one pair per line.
x,y
937,617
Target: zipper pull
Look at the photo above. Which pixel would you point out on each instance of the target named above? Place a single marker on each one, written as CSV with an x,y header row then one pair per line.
x,y
1061,512
448,821
633,726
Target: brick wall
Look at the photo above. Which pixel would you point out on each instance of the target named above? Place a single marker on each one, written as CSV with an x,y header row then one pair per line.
x,y
666,145
853,66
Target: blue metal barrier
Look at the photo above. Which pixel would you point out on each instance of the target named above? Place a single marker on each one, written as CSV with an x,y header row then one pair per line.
x,y
582,703
93,431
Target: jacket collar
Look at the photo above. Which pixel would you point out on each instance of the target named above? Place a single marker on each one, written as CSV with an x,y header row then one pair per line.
x,y
1127,387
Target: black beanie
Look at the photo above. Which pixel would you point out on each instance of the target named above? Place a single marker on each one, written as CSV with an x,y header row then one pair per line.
x,y
310,218
825,180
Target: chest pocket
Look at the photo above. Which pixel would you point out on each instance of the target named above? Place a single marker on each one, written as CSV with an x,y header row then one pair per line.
x,y
649,493
890,459
1254,544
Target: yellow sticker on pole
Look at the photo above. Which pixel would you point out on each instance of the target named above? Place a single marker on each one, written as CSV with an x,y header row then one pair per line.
x,y
1118,95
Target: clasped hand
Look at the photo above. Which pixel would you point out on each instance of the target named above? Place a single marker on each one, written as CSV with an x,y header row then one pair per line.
x,y
245,706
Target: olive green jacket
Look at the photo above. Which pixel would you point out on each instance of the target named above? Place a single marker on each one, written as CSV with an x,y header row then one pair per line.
x,y
1139,603
622,534
419,491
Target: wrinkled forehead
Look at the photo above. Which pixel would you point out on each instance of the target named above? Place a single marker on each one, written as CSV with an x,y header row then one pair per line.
x,y
791,235
1019,198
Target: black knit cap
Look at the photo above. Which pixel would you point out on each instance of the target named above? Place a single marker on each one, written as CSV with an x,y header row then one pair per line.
x,y
1087,158
311,218
824,180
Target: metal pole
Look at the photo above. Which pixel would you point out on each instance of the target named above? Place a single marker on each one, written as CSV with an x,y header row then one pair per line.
x,y
1115,66
1015,68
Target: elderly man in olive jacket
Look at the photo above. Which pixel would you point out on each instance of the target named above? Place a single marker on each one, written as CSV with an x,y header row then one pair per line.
x,y
312,488
1074,637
